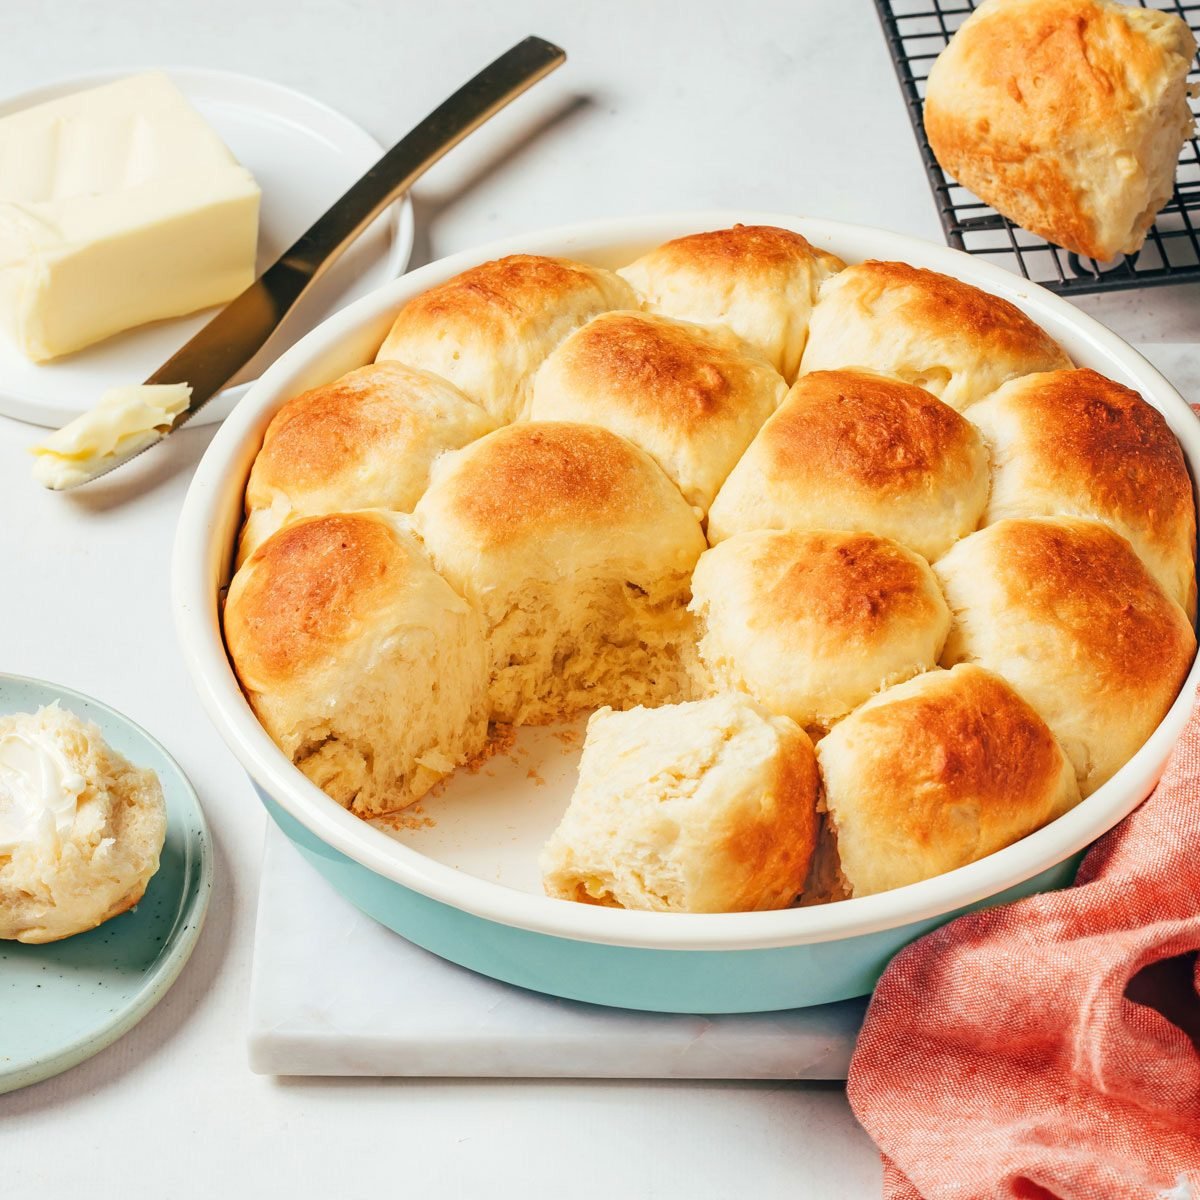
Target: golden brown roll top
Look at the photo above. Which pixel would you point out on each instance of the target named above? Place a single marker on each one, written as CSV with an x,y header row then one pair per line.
x,y
854,450
361,662
927,329
577,549
552,498
489,329
1065,611
691,397
759,280
701,807
938,772
365,440
1066,115
1078,444
812,624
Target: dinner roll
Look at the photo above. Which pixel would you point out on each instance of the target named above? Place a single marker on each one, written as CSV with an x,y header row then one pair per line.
x,y
701,807
928,329
858,451
577,550
935,773
691,397
361,662
363,441
81,827
758,280
1066,115
490,328
812,623
1065,611
1075,443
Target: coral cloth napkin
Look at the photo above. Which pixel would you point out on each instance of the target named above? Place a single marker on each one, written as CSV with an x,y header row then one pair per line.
x,y
1001,1056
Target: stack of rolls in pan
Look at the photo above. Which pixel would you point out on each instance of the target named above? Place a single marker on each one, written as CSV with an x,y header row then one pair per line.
x,y
860,578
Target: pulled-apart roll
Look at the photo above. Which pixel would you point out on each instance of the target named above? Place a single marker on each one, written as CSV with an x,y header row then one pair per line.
x,y
854,450
81,827
939,333
577,550
490,328
1067,116
361,662
1065,611
935,773
701,807
691,397
759,280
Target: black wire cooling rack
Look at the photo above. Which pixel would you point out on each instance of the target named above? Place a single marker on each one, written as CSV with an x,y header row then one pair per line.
x,y
917,31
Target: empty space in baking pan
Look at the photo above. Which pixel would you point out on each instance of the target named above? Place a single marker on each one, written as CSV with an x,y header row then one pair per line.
x,y
492,820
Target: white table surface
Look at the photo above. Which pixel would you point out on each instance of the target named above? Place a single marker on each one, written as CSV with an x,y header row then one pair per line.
x,y
788,105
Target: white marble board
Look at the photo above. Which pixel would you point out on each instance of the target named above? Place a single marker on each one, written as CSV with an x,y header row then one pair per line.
x,y
335,993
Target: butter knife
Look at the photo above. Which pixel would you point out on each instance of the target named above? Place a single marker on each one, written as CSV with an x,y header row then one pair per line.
x,y
216,354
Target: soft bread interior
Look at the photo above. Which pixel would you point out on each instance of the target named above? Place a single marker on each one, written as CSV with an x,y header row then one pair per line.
x,y
55,887
706,806
408,723
556,651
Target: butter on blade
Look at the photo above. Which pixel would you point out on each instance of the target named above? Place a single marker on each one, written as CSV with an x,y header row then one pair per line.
x,y
118,206
126,420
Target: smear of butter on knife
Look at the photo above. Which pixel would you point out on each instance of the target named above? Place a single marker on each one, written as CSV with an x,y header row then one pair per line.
x,y
126,420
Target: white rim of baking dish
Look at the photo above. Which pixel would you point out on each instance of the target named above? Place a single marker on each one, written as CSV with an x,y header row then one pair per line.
x,y
201,560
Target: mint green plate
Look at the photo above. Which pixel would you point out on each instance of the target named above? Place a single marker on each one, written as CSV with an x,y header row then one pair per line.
x,y
65,1001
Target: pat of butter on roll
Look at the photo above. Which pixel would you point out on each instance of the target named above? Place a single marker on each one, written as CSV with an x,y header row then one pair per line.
x,y
39,791
126,420
118,206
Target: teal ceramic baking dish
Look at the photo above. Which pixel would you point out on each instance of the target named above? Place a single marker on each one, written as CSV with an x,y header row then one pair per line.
x,y
450,903
658,980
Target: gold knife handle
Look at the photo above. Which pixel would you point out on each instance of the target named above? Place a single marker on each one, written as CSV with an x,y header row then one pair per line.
x,y
211,358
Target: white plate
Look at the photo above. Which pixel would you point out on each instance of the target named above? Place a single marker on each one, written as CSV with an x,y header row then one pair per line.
x,y
304,156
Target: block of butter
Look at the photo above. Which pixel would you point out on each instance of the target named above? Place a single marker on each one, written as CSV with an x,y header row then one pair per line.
x,y
118,206
126,420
